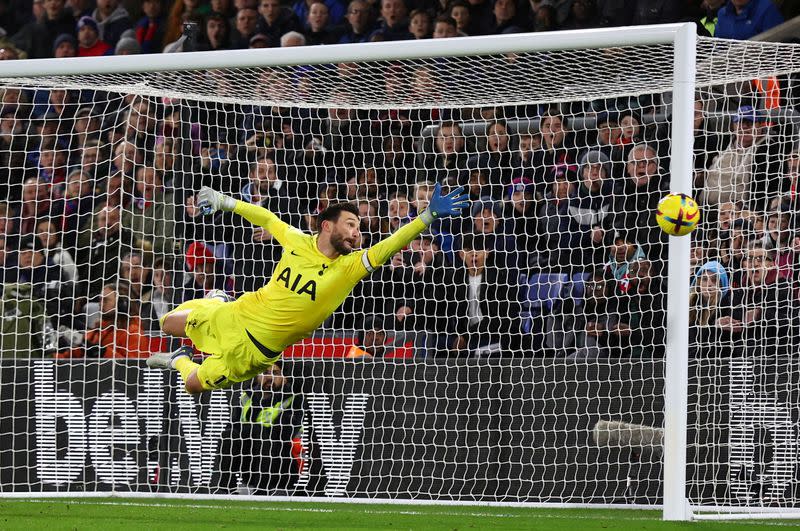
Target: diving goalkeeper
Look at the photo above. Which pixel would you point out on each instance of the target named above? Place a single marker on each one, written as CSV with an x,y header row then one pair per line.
x,y
313,277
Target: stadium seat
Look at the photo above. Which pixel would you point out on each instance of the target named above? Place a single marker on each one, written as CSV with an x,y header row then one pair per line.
x,y
543,292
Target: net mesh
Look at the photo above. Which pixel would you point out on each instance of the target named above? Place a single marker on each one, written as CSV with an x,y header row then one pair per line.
x,y
514,353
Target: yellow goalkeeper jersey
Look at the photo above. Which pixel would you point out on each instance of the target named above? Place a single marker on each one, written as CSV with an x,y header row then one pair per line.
x,y
306,286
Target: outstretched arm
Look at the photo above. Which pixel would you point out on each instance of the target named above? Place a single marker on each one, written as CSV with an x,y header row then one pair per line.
x,y
440,206
209,201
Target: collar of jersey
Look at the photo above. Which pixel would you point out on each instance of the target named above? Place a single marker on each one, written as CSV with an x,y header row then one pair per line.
x,y
320,253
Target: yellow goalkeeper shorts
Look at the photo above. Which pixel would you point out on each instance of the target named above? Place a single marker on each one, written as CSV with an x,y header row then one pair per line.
x,y
215,330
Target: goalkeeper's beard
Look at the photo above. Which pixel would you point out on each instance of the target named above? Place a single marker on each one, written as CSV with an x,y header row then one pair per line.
x,y
338,242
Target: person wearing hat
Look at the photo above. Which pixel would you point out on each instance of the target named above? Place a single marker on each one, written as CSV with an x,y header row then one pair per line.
x,y
710,299
127,46
37,37
65,45
207,275
741,173
590,211
259,40
89,43
521,216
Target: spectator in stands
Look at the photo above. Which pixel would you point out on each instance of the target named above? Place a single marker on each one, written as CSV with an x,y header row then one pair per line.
x,y
65,45
8,263
505,17
399,209
120,333
764,316
216,33
707,144
318,22
556,155
153,217
49,242
135,271
487,220
623,250
126,158
12,154
113,20
779,238
37,37
393,25
545,18
78,202
89,42
497,157
371,342
100,247
151,27
420,24
741,172
590,213
247,20
743,19
643,309
637,197
35,267
553,223
335,11
127,45
207,273
359,22
260,40
583,323
487,308
371,230
450,157
36,203
276,20
629,130
162,299
292,38
521,215
582,15
445,27
706,25
710,300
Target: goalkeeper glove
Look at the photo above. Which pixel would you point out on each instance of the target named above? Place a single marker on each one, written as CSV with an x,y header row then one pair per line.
x,y
210,201
445,205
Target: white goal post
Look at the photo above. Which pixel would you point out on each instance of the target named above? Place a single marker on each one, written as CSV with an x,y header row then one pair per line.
x,y
677,68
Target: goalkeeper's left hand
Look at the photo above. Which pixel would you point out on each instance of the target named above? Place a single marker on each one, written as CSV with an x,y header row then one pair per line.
x,y
209,201
445,205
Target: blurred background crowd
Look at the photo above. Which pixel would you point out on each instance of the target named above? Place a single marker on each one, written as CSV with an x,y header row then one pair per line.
x,y
559,253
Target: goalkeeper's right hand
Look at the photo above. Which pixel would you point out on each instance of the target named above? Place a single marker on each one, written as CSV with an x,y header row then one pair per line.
x,y
210,201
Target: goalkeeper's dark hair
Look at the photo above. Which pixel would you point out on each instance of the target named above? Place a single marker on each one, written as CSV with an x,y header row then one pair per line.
x,y
335,210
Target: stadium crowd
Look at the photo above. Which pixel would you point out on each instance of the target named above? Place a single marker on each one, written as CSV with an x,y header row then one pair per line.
x,y
559,254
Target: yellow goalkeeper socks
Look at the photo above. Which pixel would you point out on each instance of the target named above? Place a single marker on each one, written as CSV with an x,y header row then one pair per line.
x,y
185,366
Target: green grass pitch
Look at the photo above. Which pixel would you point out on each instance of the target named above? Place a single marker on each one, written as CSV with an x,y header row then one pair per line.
x,y
120,513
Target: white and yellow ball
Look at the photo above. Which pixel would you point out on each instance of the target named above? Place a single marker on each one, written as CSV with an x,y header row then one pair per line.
x,y
678,214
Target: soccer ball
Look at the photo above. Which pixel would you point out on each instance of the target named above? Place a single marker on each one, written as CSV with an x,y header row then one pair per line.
x,y
677,214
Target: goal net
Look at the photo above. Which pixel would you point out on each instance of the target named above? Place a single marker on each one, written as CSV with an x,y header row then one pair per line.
x,y
513,354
